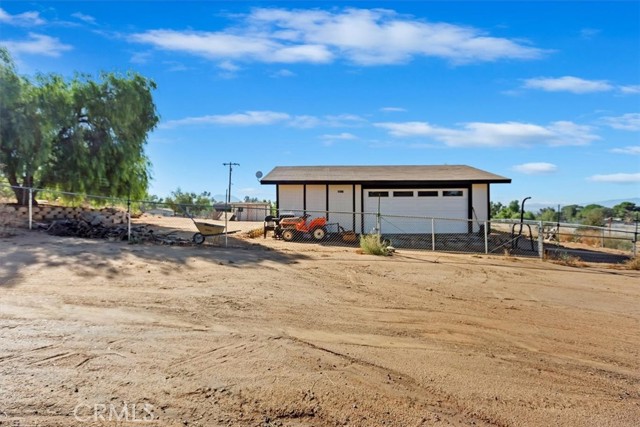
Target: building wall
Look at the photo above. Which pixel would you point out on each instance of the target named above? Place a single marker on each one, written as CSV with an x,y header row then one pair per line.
x,y
480,203
342,200
316,200
291,198
341,205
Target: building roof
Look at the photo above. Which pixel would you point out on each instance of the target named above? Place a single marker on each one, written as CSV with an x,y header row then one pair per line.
x,y
380,174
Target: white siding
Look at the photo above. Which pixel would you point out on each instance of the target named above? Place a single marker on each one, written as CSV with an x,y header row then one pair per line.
x,y
480,205
290,199
316,200
414,212
340,205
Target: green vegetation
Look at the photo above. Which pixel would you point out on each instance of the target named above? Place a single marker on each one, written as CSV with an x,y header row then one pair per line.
x,y
83,135
195,204
592,215
372,244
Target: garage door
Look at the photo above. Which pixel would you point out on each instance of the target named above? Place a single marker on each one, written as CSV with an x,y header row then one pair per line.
x,y
410,211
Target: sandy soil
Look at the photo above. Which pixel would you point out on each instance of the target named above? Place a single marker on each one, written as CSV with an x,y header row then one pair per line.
x,y
270,333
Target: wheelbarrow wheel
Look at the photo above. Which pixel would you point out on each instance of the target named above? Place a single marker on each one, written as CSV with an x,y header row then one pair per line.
x,y
288,235
198,238
319,233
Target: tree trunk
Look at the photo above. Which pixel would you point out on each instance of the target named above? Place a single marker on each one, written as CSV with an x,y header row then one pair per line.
x,y
22,191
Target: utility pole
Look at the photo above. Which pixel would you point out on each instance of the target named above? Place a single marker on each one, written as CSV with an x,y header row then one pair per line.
x,y
228,203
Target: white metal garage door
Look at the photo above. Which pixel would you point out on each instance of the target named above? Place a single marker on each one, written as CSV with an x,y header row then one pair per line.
x,y
415,208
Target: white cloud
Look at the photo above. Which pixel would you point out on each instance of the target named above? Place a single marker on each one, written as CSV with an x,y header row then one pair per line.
x,y
255,118
361,36
305,122
140,57
26,19
283,73
535,168
507,134
233,47
629,121
629,90
617,178
344,136
634,150
248,118
568,84
37,44
393,109
228,66
83,17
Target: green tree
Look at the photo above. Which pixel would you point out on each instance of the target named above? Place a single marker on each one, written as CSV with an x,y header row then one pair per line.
x,y
83,135
624,210
547,215
189,202
570,213
495,207
512,211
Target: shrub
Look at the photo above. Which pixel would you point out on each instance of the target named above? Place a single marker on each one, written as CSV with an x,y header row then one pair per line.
x,y
256,232
621,244
633,264
372,244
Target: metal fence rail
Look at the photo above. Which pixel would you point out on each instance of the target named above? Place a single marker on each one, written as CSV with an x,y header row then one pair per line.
x,y
526,238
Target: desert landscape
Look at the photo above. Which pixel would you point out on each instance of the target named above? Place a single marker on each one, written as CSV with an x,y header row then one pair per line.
x,y
270,333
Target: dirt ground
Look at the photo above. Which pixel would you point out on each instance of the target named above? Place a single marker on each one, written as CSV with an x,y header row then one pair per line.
x,y
268,333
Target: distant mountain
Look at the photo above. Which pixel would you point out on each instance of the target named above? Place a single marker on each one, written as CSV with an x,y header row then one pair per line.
x,y
535,207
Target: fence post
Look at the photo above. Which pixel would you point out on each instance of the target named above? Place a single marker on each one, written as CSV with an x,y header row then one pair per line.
x,y
541,241
486,238
433,234
30,208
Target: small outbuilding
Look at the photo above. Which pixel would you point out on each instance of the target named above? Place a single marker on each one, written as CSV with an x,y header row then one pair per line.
x,y
353,196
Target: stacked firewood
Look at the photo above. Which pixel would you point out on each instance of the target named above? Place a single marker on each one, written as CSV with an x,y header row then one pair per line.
x,y
94,226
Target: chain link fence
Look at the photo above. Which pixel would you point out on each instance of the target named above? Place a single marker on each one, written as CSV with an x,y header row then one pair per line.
x,y
510,237
71,214
170,223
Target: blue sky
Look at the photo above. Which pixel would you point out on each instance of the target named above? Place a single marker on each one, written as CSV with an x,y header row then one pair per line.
x,y
547,94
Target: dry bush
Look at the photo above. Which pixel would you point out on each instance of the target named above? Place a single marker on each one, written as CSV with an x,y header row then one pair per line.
x,y
632,264
256,232
372,244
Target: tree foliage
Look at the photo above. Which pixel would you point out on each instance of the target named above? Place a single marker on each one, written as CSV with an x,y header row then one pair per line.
x,y
192,203
81,135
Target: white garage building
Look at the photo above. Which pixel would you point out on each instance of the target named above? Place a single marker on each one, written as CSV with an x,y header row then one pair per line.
x,y
353,195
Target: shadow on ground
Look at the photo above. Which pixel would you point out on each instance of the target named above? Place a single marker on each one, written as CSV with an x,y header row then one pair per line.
x,y
99,257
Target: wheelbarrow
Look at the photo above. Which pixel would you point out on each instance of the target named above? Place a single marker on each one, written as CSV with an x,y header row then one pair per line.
x,y
207,230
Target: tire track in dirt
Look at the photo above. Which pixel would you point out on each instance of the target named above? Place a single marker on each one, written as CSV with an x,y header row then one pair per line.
x,y
446,405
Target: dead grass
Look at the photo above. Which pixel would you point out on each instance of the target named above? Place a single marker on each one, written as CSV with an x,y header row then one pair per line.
x,y
633,264
563,258
255,233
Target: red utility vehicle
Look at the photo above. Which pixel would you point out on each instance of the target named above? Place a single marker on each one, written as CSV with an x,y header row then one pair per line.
x,y
294,228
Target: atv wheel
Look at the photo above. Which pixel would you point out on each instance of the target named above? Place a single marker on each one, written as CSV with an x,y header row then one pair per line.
x,y
319,233
288,235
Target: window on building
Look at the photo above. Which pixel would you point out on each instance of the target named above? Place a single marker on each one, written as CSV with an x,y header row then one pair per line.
x,y
403,194
378,194
429,193
452,193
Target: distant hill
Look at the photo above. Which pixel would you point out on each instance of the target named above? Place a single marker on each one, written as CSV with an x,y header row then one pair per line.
x,y
535,207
